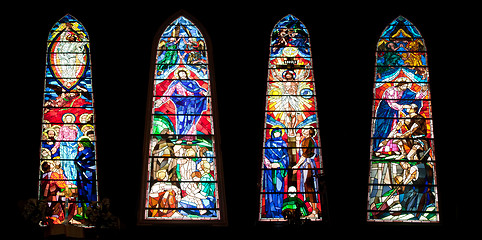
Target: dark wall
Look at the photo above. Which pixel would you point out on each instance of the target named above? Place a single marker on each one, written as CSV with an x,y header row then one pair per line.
x,y
343,38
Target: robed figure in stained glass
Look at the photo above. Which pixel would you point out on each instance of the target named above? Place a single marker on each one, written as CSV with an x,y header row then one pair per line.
x,y
291,165
188,99
67,156
402,182
394,104
275,157
66,144
182,159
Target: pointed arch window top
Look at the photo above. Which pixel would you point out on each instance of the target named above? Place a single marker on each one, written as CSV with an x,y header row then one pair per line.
x,y
401,51
401,28
182,44
290,38
290,21
182,27
68,23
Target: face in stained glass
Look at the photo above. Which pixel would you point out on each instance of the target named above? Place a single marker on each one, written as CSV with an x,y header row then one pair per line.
x,y
291,164
68,177
182,179
402,181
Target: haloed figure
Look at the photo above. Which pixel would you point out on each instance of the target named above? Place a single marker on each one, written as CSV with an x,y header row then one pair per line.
x,y
188,97
67,144
275,163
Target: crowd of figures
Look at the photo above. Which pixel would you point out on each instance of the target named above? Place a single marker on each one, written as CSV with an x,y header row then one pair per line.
x,y
402,167
67,154
182,177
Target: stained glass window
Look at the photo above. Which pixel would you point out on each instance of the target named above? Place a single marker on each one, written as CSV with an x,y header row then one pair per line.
x,y
402,182
68,181
291,167
183,164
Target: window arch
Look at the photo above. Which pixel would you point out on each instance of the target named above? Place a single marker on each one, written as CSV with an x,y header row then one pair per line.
x,y
182,163
68,174
402,182
291,168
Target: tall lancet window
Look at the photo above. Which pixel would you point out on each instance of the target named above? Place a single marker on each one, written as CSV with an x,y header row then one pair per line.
x,y
291,166
68,181
402,182
182,163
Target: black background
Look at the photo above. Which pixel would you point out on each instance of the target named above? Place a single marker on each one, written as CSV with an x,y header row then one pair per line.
x,y
343,38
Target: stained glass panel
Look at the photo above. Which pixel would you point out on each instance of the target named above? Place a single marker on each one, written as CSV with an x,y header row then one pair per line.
x,y
291,169
68,174
182,174
402,182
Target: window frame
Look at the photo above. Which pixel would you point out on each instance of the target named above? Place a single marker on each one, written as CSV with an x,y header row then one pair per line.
x,y
141,220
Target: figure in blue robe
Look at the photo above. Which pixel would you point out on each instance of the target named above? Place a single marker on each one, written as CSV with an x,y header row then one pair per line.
x,y
188,108
85,164
275,152
385,115
68,151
